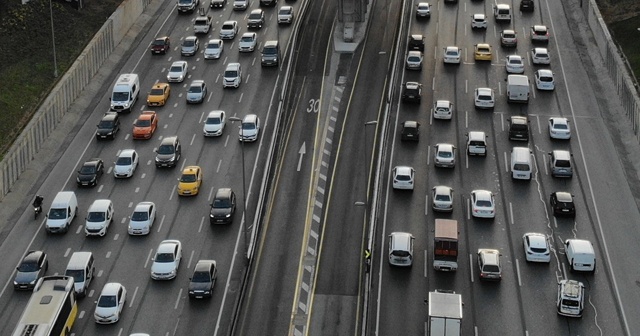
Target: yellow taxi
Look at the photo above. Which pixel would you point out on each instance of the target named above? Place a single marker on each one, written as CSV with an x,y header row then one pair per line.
x,y
159,94
190,181
483,52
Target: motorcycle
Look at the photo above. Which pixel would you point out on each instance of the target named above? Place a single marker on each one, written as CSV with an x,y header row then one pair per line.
x,y
37,206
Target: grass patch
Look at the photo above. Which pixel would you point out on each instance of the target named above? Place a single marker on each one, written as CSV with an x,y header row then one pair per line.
x,y
626,34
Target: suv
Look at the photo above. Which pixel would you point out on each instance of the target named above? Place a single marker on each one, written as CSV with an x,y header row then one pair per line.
x,y
109,126
250,128
203,279
412,92
223,207
489,264
570,301
270,54
401,249
410,131
255,19
476,143
527,5
169,152
518,128
560,163
416,42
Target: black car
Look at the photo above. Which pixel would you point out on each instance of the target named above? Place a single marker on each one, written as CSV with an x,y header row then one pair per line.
x,y
562,204
527,5
412,92
518,128
223,207
218,3
203,279
268,2
169,152
33,267
416,42
255,19
410,131
90,172
109,126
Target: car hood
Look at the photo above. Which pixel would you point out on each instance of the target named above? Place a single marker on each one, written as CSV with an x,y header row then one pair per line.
x,y
106,311
220,212
164,267
104,130
194,95
165,157
122,169
86,177
138,224
246,43
199,286
26,277
175,73
212,127
188,49
212,51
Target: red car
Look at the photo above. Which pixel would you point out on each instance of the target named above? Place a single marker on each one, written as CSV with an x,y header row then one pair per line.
x,y
161,45
145,125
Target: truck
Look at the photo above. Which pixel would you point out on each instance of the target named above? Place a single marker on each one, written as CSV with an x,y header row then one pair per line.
x,y
445,313
187,6
518,89
445,245
202,24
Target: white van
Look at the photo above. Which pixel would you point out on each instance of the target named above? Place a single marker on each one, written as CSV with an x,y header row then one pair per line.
x,y
99,216
580,255
502,12
521,165
518,89
125,93
62,212
81,269
401,249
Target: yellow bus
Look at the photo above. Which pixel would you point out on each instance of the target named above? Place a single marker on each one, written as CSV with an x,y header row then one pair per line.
x,y
51,310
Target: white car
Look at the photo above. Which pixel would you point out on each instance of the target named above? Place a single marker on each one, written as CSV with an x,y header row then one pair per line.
x,y
142,219
214,124
452,54
229,30
445,155
442,199
484,98
167,260
126,164
248,42
540,56
544,80
423,10
514,64
536,247
478,21
559,128
110,303
214,49
442,109
232,76
483,204
403,177
285,14
177,72
539,33
414,60
249,130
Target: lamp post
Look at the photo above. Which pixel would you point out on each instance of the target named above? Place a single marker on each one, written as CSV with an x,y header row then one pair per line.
x,y
53,40
366,164
244,193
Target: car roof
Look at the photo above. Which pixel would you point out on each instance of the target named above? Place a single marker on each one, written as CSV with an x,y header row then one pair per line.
x,y
169,140
257,11
403,170
562,154
190,38
143,206
564,196
233,66
190,169
442,190
163,38
288,8
484,195
411,124
417,37
514,57
126,153
99,205
415,53
538,240
32,256
443,103
540,50
503,6
197,82
92,162
215,113
508,31
110,116
223,193
479,16
539,28
250,118
545,73
160,85
249,34
412,85
179,63
167,246
559,120
111,288
484,91
519,120
233,22
204,265
483,45
444,147
490,256
477,135
146,115
453,48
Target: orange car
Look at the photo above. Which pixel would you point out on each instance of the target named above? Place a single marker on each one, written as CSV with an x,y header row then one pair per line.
x,y
145,125
159,94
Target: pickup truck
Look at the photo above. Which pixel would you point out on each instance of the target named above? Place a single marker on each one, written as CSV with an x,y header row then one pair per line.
x,y
202,24
187,6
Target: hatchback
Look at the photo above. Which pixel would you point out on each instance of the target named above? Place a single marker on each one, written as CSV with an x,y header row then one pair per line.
x,y
190,46
483,52
412,92
508,38
544,80
110,303
403,177
562,204
518,128
540,56
443,109
536,247
489,264
539,33
484,98
479,21
410,131
33,266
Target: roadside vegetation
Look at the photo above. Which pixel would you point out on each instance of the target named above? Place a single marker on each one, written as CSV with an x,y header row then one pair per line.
x,y
627,34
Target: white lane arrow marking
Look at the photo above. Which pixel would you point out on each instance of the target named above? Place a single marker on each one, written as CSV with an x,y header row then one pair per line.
x,y
302,151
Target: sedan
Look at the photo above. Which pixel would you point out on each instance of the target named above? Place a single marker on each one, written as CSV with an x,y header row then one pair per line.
x,y
190,181
145,125
539,33
445,155
90,172
203,280
403,177
479,21
167,260
126,164
559,128
442,199
142,219
484,98
452,55
190,46
177,72
229,30
247,42
562,204
514,64
544,80
536,247
214,124
159,94
483,204
540,56
214,49
423,10
443,109
483,52
414,60
33,266
197,92
110,303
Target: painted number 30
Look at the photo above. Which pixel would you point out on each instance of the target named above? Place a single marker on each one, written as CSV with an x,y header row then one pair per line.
x,y
314,105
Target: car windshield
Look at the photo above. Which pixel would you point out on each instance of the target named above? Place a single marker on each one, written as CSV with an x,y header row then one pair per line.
x,y
443,198
176,68
248,126
157,92
560,126
491,269
484,98
545,79
201,277
285,11
518,127
254,16
227,27
107,301
143,123
188,43
570,303
452,53
123,161
444,154
509,35
246,39
188,178
414,59
221,203
483,203
139,216
213,46
213,121
403,177
120,96
76,274
401,254
195,89
165,149
484,50
164,257
269,51
158,43
538,249
563,163
230,73
105,124
28,266
96,217
86,170
57,214
516,61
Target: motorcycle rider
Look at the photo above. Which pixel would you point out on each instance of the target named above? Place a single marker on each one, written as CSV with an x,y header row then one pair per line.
x,y
37,203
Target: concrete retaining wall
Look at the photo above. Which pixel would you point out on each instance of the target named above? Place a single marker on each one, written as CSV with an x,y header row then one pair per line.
x,y
66,91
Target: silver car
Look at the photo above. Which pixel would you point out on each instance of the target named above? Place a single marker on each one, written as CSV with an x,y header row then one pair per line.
x,y
514,64
190,46
214,49
442,199
414,60
248,42
229,30
197,92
